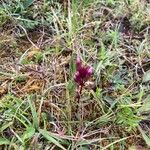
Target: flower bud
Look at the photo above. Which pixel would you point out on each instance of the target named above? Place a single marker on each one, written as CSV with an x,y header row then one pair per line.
x,y
82,72
78,63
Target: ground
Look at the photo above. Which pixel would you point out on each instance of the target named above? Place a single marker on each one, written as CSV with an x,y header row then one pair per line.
x,y
39,103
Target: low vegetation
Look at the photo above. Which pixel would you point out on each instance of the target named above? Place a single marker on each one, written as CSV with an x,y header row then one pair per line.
x,y
45,100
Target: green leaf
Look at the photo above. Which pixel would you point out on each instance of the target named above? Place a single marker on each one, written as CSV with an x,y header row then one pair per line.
x,y
145,137
34,113
83,148
102,52
49,137
71,87
27,3
4,141
5,126
146,105
30,131
72,67
146,76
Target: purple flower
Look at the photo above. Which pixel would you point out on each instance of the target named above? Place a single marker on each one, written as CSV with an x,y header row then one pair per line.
x,y
82,72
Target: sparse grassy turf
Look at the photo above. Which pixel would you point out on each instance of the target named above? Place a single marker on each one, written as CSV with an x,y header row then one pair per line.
x,y
39,42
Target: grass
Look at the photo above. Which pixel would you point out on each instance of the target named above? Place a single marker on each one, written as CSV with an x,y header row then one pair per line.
x,y
39,43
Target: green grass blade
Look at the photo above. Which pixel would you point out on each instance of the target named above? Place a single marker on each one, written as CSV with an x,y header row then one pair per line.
x,y
30,131
5,126
145,137
47,135
4,141
34,113
27,3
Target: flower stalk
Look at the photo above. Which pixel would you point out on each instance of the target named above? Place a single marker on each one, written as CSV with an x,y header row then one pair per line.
x,y
82,74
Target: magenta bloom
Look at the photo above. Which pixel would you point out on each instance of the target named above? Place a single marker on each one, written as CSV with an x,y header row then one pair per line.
x,y
82,72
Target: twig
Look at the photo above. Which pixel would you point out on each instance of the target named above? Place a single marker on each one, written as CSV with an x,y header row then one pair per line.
x,y
28,36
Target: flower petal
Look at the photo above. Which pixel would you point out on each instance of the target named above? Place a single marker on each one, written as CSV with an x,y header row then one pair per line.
x,y
89,71
78,63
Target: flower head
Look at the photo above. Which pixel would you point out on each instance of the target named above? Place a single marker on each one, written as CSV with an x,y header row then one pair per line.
x,y
82,72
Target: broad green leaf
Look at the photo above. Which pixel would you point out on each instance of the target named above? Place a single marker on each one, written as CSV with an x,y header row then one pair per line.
x,y
47,135
146,76
30,131
4,141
